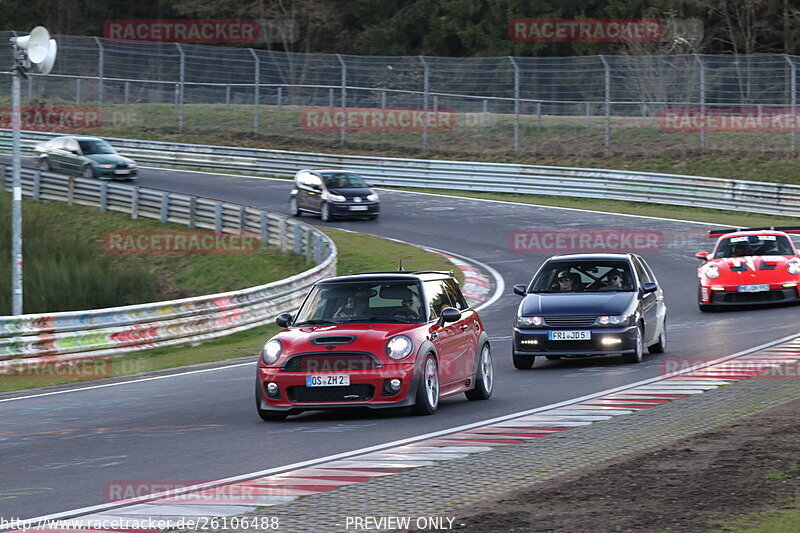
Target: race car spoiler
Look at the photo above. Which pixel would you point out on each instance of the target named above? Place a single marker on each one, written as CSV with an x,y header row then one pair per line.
x,y
719,232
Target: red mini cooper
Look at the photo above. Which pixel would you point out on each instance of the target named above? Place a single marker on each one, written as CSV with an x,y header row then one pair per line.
x,y
751,266
377,340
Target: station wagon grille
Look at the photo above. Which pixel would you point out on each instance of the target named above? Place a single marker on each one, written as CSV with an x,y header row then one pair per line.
x,y
331,362
576,321
352,393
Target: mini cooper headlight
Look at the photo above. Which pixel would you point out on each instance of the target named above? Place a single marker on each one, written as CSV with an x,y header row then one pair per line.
x,y
615,320
711,271
399,347
793,267
373,197
529,321
271,351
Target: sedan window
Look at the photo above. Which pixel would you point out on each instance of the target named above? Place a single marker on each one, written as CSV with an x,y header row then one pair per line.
x,y
584,276
96,147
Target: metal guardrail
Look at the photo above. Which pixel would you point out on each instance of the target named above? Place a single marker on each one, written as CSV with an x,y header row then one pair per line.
x,y
104,332
670,189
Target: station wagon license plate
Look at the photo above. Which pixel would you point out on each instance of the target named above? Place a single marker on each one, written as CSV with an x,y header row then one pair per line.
x,y
580,335
358,208
328,380
754,288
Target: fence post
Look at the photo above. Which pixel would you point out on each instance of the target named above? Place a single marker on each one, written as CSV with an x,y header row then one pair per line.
x,y
343,131
100,74
182,86
330,99
282,234
383,100
516,104
793,96
280,96
37,184
70,190
30,89
607,103
242,219
309,245
264,226
702,80
127,92
77,90
298,239
104,196
135,203
538,115
228,96
218,217
318,247
192,212
256,89
485,117
425,94
164,206
588,115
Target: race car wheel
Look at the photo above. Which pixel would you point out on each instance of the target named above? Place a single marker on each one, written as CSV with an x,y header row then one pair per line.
x,y
293,209
636,356
427,399
661,345
484,380
267,416
325,213
44,164
524,362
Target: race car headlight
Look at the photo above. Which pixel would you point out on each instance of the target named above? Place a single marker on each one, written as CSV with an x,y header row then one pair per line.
x,y
529,321
711,271
372,197
615,320
793,267
399,347
271,351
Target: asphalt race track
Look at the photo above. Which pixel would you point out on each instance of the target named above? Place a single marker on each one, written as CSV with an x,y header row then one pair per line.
x,y
59,451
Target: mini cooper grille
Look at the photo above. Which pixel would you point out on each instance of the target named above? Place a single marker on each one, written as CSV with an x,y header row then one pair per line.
x,y
570,321
334,339
330,362
352,393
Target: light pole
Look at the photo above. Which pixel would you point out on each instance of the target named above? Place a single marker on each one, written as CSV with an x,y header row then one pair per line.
x,y
36,51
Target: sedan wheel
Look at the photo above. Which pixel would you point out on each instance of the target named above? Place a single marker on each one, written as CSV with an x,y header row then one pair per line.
x,y
661,345
636,357
484,380
44,164
428,389
88,173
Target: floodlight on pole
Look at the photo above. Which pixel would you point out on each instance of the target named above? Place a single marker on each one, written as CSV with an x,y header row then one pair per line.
x,y
36,52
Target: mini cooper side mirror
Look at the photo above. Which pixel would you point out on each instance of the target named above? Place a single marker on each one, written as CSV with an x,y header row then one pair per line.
x,y
702,255
649,287
449,314
519,289
284,320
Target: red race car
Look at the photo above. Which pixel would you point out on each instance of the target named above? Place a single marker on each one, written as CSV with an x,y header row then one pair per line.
x,y
749,266
377,340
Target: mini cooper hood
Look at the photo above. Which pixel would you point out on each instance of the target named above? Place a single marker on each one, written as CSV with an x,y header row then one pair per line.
x,y
367,336
348,193
108,159
578,303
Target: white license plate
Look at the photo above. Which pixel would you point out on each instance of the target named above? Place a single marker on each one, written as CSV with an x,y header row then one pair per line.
x,y
754,288
569,335
328,380
358,208
122,172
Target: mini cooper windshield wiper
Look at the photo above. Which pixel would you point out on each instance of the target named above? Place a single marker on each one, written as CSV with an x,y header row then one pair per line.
x,y
380,319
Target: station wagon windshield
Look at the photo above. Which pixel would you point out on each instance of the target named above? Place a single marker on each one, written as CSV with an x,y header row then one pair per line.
x,y
354,302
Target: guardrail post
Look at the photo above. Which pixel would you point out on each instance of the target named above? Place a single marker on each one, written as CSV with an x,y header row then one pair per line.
x,y
104,196
309,245
218,217
319,246
485,117
242,218
70,190
425,93
256,89
77,90
263,221
539,115
282,234
164,206
343,131
37,184
180,95
588,115
192,212
606,103
280,96
516,105
100,74
127,92
793,97
298,239
135,203
228,96
702,71
383,100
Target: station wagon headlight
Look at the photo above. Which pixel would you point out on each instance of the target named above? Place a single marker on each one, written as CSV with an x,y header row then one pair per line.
x,y
793,267
529,321
373,197
711,271
399,347
271,351
615,320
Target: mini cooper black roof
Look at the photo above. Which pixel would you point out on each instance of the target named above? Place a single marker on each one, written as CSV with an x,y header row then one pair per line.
x,y
394,275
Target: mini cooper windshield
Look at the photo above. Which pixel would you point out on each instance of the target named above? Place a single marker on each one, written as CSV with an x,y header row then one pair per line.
x,y
595,276
353,302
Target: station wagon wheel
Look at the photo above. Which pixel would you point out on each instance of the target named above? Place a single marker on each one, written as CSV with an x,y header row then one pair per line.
x,y
44,164
636,356
427,399
88,173
293,209
484,380
325,213
267,416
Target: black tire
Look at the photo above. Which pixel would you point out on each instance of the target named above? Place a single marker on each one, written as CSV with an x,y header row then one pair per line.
x,y
325,213
293,209
484,379
88,173
524,362
425,403
553,357
43,164
638,355
267,416
661,345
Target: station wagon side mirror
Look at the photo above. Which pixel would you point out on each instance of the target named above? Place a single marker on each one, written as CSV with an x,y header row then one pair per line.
x,y
284,319
649,287
702,255
519,289
449,314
